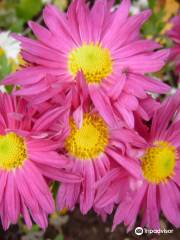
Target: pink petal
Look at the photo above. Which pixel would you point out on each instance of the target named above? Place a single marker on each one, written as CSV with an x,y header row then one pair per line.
x,y
88,191
102,104
169,204
130,165
152,208
12,199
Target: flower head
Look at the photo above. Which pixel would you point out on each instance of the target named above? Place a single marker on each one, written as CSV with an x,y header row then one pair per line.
x,y
93,148
158,188
104,45
27,157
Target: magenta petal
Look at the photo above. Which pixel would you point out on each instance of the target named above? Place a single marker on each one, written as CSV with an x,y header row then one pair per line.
x,y
87,194
169,203
152,208
41,195
67,196
26,215
59,175
48,118
103,105
130,165
3,180
25,191
12,199
50,158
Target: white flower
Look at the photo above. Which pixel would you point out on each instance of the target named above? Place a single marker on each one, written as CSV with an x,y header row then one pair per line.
x,y
10,46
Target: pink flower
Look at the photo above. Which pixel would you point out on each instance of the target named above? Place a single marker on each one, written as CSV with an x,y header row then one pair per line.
x,y
174,33
159,162
27,157
93,148
105,45
112,189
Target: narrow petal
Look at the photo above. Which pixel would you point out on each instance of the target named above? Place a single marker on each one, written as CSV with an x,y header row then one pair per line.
x,y
48,118
88,191
59,175
12,199
169,204
130,165
102,104
49,158
152,208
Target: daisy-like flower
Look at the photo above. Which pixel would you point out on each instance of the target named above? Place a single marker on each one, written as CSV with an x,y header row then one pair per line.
x,y
27,158
174,33
158,188
105,45
93,148
11,48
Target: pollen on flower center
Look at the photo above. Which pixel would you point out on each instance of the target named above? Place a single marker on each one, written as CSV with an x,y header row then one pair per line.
x,y
94,61
12,151
159,161
89,141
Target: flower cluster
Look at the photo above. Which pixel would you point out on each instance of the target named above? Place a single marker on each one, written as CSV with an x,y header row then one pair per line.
x,y
81,113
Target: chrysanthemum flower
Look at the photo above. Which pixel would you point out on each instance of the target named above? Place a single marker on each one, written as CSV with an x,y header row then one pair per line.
x,y
93,148
27,156
160,164
106,46
174,33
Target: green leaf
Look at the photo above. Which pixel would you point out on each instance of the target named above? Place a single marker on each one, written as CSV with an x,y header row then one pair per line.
x,y
27,9
55,187
35,228
152,4
9,88
17,26
5,67
59,237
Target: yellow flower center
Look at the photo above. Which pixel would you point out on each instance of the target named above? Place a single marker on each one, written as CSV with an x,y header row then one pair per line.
x,y
94,61
159,161
12,151
89,141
